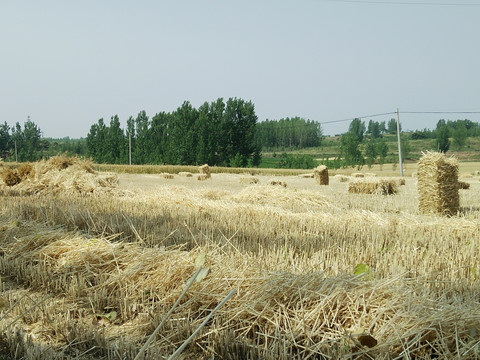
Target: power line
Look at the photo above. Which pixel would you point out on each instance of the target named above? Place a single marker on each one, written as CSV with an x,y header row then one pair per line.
x,y
357,117
382,2
440,112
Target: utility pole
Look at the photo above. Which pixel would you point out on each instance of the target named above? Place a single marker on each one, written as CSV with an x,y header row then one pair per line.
x,y
399,144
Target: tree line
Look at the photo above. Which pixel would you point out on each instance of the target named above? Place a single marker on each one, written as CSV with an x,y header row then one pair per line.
x,y
288,133
218,133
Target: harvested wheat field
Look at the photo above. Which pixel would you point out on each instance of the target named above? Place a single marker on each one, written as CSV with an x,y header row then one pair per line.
x,y
145,267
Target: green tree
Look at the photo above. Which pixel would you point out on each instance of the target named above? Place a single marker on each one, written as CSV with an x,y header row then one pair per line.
x,y
115,150
406,148
184,135
96,141
375,133
443,141
130,136
382,150
357,128
460,136
392,126
371,153
237,131
31,142
5,140
141,150
349,147
158,138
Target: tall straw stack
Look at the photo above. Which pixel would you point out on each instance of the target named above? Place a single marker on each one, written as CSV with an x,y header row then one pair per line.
x,y
205,170
321,175
438,184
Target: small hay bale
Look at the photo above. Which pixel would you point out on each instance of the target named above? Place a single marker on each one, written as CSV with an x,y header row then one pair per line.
x,y
25,171
250,180
185,174
166,175
202,177
307,176
401,182
321,175
377,187
358,175
341,178
279,183
462,185
10,177
205,170
438,184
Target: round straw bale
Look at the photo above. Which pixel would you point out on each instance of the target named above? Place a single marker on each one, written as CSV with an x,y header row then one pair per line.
x,y
321,175
401,181
307,176
185,174
358,175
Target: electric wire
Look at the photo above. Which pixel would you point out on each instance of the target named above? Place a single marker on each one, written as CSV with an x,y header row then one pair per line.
x,y
425,3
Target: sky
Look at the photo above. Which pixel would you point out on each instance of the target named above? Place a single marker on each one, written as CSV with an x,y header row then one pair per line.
x,y
66,64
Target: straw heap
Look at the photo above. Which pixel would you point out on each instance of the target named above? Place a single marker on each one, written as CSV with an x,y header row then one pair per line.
x,y
341,178
374,186
166,175
438,184
248,180
278,182
185,174
321,175
462,185
62,174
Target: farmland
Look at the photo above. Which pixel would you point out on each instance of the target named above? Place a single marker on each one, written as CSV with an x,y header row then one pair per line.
x,y
91,268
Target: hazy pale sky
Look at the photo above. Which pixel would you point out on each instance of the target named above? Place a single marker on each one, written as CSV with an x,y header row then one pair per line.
x,y
66,64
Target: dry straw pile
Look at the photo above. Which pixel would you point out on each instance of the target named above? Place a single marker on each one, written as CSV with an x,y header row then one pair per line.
x,y
341,178
438,184
72,176
307,176
278,183
250,180
374,186
204,170
321,175
120,292
167,175
185,174
462,185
